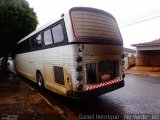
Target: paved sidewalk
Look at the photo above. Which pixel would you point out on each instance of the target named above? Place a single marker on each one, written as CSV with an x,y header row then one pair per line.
x,y
144,71
19,102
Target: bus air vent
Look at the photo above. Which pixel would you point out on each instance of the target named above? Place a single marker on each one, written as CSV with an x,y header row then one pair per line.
x,y
58,75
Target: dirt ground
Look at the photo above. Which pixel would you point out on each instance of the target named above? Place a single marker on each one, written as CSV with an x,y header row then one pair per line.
x,y
19,102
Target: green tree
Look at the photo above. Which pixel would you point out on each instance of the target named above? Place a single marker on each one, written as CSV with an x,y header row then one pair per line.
x,y
17,20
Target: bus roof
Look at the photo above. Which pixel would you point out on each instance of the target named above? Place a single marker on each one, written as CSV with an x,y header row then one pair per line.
x,y
69,12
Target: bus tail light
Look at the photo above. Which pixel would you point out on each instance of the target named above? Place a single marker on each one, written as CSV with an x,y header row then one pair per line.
x,y
123,76
79,59
79,77
79,68
79,87
123,56
123,62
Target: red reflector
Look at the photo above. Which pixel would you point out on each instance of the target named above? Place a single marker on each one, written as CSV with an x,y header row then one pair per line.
x,y
102,84
79,87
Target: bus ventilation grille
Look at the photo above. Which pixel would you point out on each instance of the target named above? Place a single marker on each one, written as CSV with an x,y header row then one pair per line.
x,y
58,75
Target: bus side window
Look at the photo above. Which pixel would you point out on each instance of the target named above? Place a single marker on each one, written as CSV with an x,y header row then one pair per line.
x,y
19,48
57,32
36,41
48,37
26,45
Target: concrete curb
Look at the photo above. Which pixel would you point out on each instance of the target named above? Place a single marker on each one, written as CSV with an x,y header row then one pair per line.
x,y
144,73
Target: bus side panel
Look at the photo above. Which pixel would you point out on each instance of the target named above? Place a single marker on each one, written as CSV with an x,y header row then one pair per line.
x,y
29,63
56,62
23,65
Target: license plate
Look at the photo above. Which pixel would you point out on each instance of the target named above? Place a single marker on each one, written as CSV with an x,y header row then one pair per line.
x,y
105,77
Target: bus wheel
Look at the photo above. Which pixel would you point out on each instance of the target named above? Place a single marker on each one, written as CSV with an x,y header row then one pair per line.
x,y
40,81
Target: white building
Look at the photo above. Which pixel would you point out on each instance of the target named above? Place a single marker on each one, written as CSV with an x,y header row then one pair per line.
x,y
148,53
129,58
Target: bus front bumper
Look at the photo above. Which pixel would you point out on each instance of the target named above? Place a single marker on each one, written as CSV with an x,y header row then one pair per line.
x,y
96,91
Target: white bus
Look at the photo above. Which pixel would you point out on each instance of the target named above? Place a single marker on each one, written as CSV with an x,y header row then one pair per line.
x,y
78,55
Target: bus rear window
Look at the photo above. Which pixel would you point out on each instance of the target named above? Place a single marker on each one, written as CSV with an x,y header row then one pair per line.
x,y
94,24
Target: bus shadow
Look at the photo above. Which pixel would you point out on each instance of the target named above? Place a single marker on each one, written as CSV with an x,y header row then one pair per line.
x,y
3,76
6,76
100,105
91,106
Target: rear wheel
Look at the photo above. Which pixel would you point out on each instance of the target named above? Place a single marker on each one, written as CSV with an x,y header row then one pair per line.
x,y
40,81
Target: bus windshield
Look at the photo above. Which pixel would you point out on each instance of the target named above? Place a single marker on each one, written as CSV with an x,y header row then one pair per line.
x,y
92,24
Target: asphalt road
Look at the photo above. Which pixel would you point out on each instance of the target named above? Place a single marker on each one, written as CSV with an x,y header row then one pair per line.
x,y
139,99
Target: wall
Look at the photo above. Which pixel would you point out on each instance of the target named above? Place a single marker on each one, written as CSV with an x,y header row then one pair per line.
x,y
129,60
148,58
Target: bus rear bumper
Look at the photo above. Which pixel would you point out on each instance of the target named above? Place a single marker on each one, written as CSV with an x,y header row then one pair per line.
x,y
97,91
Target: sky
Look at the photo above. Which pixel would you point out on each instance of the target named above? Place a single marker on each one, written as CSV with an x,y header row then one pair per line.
x,y
138,20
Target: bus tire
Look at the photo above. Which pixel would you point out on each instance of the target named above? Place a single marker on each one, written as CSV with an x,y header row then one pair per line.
x,y
40,81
